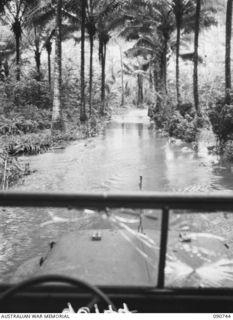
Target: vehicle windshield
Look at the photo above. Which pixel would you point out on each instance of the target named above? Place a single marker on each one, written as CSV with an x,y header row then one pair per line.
x,y
139,101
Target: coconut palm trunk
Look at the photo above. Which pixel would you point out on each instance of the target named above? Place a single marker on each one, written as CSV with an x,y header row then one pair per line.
x,y
91,73
92,31
157,85
164,66
122,79
38,62
196,45
49,50
178,25
140,97
83,116
57,119
17,58
160,78
37,53
103,76
228,51
151,80
17,29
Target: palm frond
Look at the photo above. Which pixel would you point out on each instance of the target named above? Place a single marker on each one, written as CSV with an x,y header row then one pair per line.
x,y
216,274
139,51
71,17
177,272
42,15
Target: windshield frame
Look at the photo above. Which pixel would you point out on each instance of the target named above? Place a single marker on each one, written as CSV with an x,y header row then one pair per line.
x,y
139,200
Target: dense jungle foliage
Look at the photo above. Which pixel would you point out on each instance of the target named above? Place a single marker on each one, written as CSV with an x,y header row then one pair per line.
x,y
65,65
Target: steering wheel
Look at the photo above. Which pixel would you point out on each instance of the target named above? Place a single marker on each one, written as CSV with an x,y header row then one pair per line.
x,y
98,295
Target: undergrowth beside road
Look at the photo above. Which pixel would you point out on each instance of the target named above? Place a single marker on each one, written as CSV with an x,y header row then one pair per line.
x,y
182,121
25,126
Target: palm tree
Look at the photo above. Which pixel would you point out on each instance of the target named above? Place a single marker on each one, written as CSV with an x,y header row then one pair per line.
x,y
39,38
82,14
17,12
180,9
109,18
37,53
190,16
149,45
195,60
177,6
57,119
83,116
166,26
35,38
140,95
91,29
228,51
204,18
137,70
43,20
45,16
122,75
103,40
48,47
152,23
99,19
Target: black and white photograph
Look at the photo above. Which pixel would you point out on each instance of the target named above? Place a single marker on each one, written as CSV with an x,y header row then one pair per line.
x,y
116,157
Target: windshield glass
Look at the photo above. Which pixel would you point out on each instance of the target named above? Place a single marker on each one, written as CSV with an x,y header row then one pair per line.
x,y
117,247
142,104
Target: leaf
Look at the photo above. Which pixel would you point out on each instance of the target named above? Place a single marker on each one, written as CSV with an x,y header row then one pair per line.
x,y
177,272
216,274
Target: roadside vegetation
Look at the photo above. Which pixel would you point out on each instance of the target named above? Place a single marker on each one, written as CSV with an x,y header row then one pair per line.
x,y
65,66
184,51
47,98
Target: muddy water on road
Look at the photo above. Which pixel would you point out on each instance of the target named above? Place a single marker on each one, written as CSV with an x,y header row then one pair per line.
x,y
128,148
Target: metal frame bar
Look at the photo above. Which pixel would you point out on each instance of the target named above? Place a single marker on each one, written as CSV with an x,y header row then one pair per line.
x,y
163,248
140,200
101,201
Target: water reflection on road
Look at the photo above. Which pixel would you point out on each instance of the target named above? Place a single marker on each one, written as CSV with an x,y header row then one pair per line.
x,y
128,148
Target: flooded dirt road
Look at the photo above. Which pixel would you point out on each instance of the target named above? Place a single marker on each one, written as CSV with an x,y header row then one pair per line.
x,y
128,148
